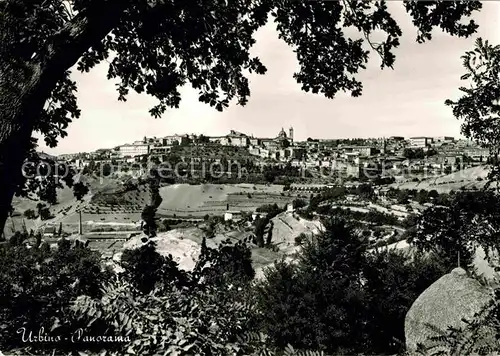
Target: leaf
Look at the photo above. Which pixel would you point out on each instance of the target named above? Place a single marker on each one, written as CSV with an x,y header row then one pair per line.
x,y
92,321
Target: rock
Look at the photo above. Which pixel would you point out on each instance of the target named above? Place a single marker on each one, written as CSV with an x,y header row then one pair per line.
x,y
453,297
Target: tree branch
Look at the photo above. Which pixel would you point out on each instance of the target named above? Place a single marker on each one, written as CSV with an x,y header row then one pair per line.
x,y
87,28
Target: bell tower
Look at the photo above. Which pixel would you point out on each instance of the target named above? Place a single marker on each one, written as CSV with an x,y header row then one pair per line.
x,y
290,134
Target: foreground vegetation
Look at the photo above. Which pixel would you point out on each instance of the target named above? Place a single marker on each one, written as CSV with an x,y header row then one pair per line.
x,y
218,308
337,296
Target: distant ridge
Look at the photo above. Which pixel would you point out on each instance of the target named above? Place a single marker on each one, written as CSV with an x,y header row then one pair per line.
x,y
44,155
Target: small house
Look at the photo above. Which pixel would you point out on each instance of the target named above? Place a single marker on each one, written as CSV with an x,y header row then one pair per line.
x,y
49,231
232,215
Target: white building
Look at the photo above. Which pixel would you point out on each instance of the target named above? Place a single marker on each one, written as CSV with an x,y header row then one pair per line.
x,y
174,140
237,139
133,150
420,142
232,215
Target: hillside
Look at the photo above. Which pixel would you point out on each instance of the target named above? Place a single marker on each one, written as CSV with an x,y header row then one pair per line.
x,y
198,200
467,178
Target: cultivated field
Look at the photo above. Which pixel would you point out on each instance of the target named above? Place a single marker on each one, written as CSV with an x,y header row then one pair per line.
x,y
213,199
468,178
108,207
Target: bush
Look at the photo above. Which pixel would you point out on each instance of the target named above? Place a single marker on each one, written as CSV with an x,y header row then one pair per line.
x,y
145,268
30,214
300,239
43,211
299,203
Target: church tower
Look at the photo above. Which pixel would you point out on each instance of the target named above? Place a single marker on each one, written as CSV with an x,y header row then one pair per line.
x,y
290,136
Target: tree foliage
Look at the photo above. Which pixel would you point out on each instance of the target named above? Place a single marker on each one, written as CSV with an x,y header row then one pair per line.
x,y
340,298
454,230
148,217
37,285
295,295
146,269
479,105
158,46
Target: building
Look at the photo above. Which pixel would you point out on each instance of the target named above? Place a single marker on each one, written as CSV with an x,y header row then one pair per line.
x,y
49,231
233,215
235,138
477,153
396,138
160,150
69,156
216,139
255,141
175,140
420,142
444,139
360,150
80,163
133,150
270,144
282,138
255,151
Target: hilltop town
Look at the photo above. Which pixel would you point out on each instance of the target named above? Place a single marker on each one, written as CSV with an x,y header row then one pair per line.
x,y
384,180
346,158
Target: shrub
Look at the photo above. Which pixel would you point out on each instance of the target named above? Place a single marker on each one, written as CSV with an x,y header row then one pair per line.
x,y
299,203
43,211
300,239
30,214
146,268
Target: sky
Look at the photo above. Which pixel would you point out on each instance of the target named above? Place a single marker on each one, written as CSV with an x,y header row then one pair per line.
x,y
406,101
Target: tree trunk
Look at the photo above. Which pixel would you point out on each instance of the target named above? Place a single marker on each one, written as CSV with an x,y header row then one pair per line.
x,y
21,100
25,89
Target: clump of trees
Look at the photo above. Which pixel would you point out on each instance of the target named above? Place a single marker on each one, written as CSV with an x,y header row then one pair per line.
x,y
145,268
455,229
341,299
337,297
43,211
299,203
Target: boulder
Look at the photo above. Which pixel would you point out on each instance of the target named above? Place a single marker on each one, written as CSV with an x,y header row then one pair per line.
x,y
453,297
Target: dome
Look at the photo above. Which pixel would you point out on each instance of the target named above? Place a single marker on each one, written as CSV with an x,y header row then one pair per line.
x,y
282,133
